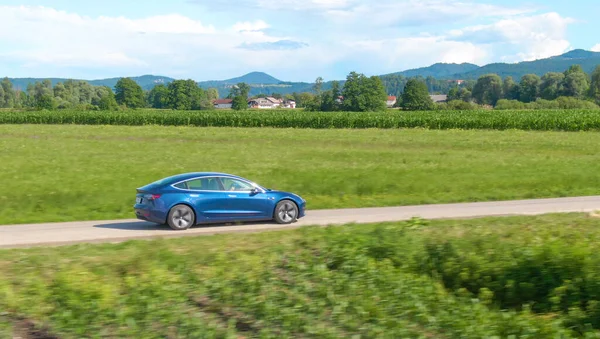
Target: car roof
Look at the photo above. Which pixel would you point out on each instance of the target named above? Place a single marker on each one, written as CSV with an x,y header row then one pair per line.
x,y
185,176
190,175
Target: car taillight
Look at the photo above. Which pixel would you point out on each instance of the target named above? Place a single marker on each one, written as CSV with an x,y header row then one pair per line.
x,y
152,196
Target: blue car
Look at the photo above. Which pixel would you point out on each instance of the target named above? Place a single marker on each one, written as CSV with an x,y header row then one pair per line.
x,y
189,199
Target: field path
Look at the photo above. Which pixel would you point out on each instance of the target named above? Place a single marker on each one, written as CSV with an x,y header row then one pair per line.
x,y
53,234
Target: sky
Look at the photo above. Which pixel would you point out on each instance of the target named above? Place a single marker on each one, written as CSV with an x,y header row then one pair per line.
x,y
292,40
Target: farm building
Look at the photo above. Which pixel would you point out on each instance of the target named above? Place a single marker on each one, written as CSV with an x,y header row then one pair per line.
x,y
391,100
223,103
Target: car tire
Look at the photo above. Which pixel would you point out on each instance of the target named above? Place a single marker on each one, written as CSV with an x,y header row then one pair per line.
x,y
286,212
181,217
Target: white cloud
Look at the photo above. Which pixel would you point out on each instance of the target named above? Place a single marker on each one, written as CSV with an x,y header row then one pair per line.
x,y
404,53
166,43
596,48
417,12
248,26
277,5
527,37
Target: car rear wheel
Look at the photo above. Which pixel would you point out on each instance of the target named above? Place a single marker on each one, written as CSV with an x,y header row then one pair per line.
x,y
181,217
286,212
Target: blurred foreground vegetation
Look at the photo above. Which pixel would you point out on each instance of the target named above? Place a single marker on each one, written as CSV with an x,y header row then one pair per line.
x,y
516,277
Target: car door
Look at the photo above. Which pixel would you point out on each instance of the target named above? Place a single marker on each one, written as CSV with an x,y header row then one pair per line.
x,y
207,197
242,203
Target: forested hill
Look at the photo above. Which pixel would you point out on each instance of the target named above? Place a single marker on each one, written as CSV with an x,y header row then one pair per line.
x,y
437,70
586,59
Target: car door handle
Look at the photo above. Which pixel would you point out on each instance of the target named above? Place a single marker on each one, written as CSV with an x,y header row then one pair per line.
x,y
232,196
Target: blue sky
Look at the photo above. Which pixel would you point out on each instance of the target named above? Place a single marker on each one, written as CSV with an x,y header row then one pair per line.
x,y
295,40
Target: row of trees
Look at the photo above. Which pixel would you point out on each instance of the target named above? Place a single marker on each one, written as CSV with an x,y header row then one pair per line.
x,y
42,95
490,88
179,94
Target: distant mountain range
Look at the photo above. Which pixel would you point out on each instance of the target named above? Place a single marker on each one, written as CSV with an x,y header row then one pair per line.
x,y
586,59
438,70
262,83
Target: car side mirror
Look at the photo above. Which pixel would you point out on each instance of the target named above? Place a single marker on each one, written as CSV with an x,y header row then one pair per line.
x,y
255,190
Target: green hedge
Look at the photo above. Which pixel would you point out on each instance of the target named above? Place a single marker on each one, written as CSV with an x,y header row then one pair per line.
x,y
561,120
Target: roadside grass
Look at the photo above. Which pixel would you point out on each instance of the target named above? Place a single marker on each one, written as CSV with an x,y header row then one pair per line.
x,y
72,172
419,279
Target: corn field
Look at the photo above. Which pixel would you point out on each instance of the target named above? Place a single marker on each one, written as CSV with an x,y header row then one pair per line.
x,y
559,120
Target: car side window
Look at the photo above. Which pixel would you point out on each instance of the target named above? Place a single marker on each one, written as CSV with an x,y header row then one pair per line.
x,y
235,185
200,184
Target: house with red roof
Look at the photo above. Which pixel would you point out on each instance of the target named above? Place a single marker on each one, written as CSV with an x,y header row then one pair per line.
x,y
223,103
391,100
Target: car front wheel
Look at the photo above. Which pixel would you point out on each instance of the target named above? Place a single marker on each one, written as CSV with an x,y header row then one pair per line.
x,y
286,212
181,217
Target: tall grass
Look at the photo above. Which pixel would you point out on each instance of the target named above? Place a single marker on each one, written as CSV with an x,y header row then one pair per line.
x,y
557,120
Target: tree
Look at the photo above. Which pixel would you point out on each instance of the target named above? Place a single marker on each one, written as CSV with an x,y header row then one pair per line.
x,y
304,99
185,95
530,84
595,86
60,91
454,93
158,96
576,83
510,89
416,96
239,103
240,93
318,86
104,99
8,98
212,94
129,93
376,94
488,89
329,102
465,95
551,85
45,101
362,94
42,95
354,99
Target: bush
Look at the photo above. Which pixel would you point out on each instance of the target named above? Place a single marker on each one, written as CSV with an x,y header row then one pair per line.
x,y
574,103
544,104
504,104
456,105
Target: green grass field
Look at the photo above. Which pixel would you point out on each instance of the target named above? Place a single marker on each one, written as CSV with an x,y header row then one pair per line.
x,y
533,277
74,172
